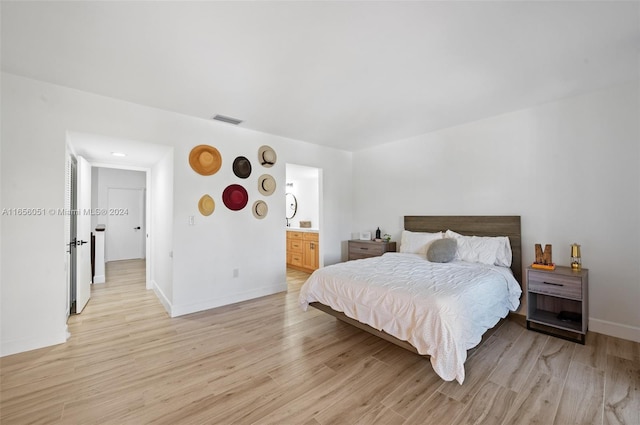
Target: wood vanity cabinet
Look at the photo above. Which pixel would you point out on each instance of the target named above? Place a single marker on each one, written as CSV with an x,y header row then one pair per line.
x,y
302,250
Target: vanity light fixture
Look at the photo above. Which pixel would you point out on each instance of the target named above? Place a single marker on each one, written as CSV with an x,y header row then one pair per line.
x,y
118,154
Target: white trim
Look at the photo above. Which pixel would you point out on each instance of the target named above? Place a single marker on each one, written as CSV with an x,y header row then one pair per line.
x,y
619,330
161,296
99,278
39,341
181,310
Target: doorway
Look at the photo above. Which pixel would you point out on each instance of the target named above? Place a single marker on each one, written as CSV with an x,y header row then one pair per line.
x,y
303,207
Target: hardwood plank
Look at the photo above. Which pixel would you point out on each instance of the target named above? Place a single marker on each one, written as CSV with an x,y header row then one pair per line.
x,y
555,358
366,393
488,406
437,409
478,369
518,361
623,348
537,403
622,392
380,415
594,352
582,397
410,394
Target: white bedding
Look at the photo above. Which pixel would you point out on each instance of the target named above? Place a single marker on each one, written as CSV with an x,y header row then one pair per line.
x,y
442,309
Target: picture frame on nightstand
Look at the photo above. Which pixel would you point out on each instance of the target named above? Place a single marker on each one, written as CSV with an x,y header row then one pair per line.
x,y
365,236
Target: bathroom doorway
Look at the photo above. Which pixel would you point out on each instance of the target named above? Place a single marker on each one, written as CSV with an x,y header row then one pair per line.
x,y
303,207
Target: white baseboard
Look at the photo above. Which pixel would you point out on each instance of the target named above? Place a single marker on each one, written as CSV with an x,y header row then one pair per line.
x,y
99,279
181,310
631,333
163,299
27,344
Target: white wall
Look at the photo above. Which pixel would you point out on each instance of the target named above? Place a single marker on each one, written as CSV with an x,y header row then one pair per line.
x,y
160,242
570,169
36,117
103,178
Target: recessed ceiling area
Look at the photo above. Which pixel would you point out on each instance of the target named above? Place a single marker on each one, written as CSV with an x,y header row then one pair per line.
x,y
344,74
99,150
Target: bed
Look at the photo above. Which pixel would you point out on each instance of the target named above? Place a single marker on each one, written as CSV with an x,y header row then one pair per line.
x,y
437,309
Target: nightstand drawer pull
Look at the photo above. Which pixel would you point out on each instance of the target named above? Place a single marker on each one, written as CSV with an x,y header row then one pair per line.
x,y
364,248
554,284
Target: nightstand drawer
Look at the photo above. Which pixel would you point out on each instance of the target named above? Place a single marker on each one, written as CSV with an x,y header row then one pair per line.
x,y
366,248
556,285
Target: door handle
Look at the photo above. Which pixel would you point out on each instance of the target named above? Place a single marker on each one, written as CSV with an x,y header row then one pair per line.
x,y
136,228
81,242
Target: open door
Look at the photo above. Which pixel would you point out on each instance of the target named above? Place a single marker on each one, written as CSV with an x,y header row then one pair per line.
x,y
83,234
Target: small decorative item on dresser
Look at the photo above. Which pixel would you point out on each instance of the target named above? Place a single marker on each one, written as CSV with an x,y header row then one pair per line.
x,y
576,261
378,234
543,259
365,236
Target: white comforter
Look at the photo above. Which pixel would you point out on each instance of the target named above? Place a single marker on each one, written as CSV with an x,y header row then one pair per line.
x,y
441,309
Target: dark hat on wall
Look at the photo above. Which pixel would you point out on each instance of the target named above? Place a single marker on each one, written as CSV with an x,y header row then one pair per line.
x,y
260,209
235,197
242,167
266,184
206,205
267,156
205,160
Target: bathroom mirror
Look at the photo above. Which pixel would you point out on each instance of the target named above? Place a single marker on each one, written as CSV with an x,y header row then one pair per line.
x,y
292,206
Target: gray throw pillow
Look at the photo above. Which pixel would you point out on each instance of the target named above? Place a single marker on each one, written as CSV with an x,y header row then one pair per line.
x,y
442,250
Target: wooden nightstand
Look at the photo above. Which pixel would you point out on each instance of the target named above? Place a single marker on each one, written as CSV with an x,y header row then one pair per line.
x,y
558,299
365,249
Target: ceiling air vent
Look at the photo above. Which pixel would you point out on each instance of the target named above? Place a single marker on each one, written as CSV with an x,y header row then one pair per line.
x,y
229,120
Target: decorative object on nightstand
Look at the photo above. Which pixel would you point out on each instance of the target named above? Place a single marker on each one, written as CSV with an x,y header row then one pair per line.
x,y
365,236
558,302
544,259
576,261
359,249
378,238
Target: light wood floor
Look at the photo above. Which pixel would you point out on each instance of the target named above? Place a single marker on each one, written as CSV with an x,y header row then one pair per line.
x,y
267,362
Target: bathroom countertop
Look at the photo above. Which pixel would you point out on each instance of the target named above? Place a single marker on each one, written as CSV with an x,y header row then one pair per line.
x,y
302,229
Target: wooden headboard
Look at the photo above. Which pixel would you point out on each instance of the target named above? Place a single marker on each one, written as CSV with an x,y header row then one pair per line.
x,y
476,225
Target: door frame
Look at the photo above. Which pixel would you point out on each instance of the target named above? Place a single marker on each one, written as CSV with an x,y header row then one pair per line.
x,y
147,214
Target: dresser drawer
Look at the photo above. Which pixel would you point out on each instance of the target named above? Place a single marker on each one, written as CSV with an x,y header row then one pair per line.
x,y
366,249
554,284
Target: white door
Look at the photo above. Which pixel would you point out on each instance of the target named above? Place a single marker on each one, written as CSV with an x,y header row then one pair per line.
x,y
83,234
125,224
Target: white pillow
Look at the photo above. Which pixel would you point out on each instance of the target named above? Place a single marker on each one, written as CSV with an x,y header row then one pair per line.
x,y
491,250
417,242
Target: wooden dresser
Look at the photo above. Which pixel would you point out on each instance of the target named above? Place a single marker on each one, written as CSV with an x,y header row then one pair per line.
x,y
364,249
302,250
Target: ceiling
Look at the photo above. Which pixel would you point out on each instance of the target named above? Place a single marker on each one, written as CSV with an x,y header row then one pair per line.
x,y
344,74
